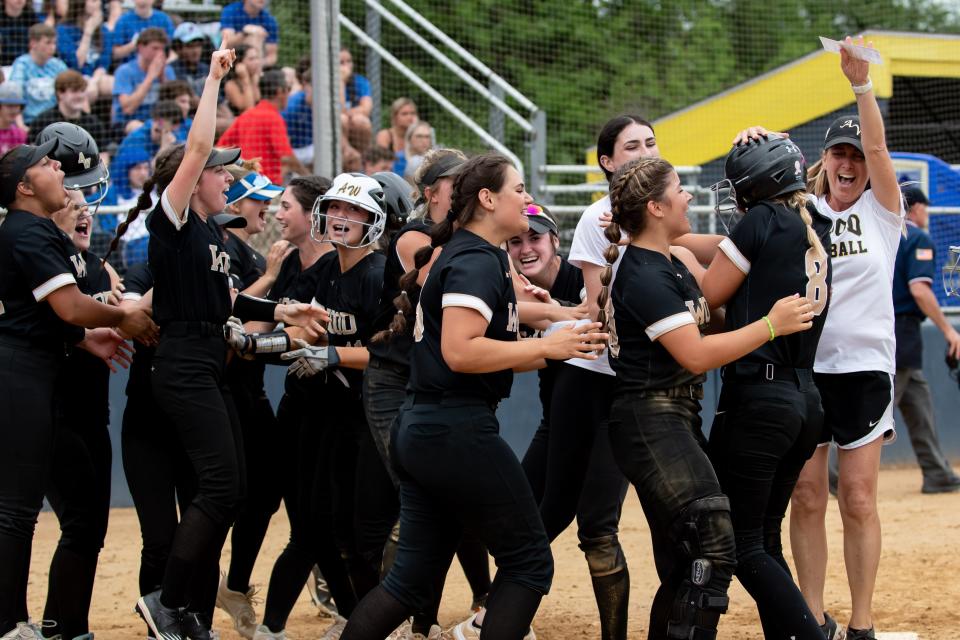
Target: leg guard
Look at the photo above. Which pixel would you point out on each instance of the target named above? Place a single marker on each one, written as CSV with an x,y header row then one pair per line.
x,y
706,540
611,584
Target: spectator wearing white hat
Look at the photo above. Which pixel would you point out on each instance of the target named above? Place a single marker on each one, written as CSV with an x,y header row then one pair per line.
x,y
188,41
11,105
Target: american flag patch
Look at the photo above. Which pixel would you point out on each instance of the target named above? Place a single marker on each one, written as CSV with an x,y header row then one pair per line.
x,y
924,254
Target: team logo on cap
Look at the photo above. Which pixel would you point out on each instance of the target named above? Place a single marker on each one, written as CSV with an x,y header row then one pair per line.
x,y
850,124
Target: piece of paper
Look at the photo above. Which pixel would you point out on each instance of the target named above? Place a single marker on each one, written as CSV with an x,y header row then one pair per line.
x,y
862,53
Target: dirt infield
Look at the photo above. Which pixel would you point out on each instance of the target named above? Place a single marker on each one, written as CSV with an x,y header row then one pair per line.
x,y
918,585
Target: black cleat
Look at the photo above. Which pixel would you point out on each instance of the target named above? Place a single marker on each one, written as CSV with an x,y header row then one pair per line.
x,y
831,630
861,634
164,622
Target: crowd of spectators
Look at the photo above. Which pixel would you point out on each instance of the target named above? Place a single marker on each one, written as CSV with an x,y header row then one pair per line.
x,y
131,74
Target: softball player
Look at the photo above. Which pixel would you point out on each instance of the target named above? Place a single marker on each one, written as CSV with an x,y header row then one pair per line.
x,y
43,317
79,489
191,302
659,354
446,443
856,358
769,414
338,458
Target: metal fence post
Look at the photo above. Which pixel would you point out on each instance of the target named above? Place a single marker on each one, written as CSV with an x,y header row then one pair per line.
x,y
372,69
537,146
496,115
325,73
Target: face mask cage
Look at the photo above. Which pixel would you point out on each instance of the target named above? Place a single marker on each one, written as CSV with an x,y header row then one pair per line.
x,y
321,222
725,204
951,273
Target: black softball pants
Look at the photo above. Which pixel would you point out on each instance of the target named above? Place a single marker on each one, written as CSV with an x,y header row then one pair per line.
x,y
764,432
658,444
79,492
188,382
27,379
263,454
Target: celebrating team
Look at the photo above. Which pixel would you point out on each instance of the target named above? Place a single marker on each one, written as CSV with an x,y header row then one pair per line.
x,y
400,324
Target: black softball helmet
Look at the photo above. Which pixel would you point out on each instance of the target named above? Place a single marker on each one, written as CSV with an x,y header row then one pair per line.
x,y
759,170
79,159
396,198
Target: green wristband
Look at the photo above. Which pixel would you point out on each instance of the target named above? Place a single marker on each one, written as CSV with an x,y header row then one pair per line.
x,y
773,334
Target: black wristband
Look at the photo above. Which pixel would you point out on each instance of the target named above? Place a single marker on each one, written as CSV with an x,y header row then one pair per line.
x,y
248,308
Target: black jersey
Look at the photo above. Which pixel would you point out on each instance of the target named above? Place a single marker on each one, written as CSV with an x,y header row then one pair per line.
x,y
36,259
397,348
84,384
137,282
652,295
295,284
352,300
770,246
470,272
566,290
246,264
190,267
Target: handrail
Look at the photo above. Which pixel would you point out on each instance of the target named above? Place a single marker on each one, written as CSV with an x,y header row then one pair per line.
x,y
484,70
451,65
590,168
430,91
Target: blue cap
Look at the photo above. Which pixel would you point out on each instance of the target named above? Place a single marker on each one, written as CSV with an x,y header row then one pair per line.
x,y
253,185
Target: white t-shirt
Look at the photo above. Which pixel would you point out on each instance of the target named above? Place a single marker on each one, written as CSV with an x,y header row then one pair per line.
x,y
589,245
858,334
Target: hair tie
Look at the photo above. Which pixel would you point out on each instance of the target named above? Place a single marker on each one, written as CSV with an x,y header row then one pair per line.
x,y
451,215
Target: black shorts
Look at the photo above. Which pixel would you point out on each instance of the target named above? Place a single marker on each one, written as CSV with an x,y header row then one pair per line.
x,y
857,407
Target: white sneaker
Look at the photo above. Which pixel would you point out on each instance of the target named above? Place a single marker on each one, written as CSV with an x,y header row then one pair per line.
x,y
24,631
334,632
239,606
466,630
264,633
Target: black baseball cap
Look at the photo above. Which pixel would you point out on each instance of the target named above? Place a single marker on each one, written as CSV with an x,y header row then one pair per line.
x,y
540,219
444,167
14,165
220,157
914,195
843,130
230,221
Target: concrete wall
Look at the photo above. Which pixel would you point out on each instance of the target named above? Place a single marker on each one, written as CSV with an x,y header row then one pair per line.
x,y
520,414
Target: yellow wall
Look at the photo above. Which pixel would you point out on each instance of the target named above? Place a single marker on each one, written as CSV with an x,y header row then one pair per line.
x,y
797,93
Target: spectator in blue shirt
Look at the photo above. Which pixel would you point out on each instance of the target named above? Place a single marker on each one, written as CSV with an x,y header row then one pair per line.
x,y
81,39
136,84
165,127
36,71
15,20
913,300
188,41
250,18
132,24
299,115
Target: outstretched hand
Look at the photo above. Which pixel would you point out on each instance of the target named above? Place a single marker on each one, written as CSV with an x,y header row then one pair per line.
x,y
856,70
222,60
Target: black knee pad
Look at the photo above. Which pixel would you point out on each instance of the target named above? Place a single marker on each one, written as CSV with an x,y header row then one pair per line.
x,y
604,555
705,536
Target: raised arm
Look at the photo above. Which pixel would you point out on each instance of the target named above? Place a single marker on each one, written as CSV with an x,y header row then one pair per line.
x,y
883,177
202,131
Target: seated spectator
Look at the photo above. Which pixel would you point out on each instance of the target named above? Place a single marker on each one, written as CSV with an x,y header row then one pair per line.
x,y
80,44
241,86
165,127
420,139
250,18
138,170
376,159
136,84
260,132
180,92
403,113
356,105
15,21
73,105
299,115
35,71
125,37
11,104
188,43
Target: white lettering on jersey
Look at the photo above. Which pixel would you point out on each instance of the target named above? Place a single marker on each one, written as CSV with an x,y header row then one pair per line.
x,y
699,309
513,318
79,265
816,271
342,324
418,325
102,296
219,260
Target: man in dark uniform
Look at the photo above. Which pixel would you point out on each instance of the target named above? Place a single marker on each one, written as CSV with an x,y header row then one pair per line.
x,y
913,300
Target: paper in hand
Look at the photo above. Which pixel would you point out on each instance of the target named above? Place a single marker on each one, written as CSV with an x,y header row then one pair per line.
x,y
862,53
